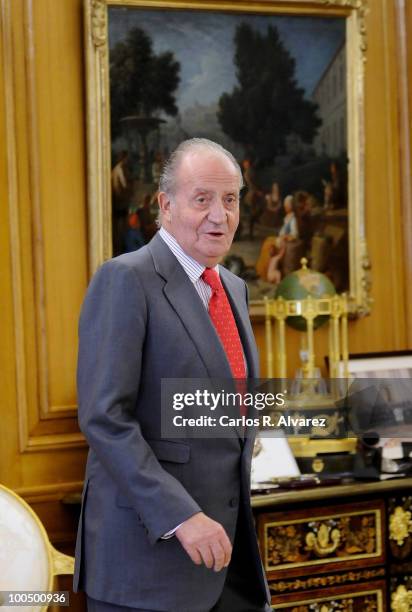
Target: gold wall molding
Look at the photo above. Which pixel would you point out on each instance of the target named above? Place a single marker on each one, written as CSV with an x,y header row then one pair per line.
x,y
98,133
98,17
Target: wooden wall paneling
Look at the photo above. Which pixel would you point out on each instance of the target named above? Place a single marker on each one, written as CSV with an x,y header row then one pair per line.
x,y
57,67
8,197
56,156
51,278
392,160
404,33
46,267
20,225
385,328
408,169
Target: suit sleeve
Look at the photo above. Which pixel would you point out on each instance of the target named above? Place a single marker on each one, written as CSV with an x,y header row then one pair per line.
x,y
111,337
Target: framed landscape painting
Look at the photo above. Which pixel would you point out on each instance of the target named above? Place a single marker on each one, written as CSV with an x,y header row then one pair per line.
x,y
280,86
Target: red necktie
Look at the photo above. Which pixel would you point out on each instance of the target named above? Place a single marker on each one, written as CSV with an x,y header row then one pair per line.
x,y
225,324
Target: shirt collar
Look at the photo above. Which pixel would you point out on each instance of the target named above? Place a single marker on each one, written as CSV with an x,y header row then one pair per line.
x,y
193,268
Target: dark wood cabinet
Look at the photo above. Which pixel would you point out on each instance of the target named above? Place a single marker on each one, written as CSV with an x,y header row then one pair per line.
x,y
329,549
346,547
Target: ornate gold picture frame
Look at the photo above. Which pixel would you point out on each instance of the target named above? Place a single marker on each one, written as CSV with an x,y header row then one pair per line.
x,y
346,221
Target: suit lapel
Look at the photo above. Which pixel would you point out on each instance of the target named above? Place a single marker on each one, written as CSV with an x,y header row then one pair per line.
x,y
184,299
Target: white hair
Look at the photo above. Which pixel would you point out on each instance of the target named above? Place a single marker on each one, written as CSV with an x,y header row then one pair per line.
x,y
167,181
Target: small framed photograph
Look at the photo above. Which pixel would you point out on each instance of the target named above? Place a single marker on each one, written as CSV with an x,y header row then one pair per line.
x,y
391,364
379,394
272,459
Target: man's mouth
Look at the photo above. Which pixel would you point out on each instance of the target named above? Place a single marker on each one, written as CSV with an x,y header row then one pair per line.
x,y
215,234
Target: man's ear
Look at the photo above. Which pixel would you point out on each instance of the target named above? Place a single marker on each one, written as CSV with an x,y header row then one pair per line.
x,y
164,204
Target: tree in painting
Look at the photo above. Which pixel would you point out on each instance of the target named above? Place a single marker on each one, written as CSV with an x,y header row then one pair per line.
x,y
141,83
267,105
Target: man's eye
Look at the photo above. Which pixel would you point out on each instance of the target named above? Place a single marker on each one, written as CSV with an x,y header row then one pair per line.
x,y
201,200
231,201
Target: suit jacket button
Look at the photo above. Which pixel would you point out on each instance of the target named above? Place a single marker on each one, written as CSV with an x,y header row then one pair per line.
x,y
233,502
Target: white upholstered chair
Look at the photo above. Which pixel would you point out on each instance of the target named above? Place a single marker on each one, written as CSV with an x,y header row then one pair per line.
x,y
28,562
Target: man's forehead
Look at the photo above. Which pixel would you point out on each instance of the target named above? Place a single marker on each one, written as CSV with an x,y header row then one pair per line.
x,y
203,169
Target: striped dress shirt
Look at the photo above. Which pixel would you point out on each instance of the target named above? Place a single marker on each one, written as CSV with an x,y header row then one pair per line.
x,y
193,268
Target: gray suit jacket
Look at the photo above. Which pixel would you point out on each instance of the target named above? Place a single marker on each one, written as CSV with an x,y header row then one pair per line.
x,y
142,320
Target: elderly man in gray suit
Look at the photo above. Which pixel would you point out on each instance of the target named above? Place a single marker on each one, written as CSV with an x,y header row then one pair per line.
x,y
166,524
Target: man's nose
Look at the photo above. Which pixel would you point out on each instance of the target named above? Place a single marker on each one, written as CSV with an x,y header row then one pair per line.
x,y
217,212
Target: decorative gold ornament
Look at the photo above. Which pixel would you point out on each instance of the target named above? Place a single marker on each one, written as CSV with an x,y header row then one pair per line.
x,y
332,425
400,525
316,582
367,602
401,600
286,543
324,541
99,22
365,283
309,308
361,7
318,465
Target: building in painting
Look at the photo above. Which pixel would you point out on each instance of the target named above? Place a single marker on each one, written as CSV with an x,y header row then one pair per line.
x,y
330,95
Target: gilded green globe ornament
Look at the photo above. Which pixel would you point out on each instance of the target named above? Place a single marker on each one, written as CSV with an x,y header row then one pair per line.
x,y
301,284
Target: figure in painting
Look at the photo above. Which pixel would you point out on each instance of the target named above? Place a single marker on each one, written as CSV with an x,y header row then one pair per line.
x,y
147,219
120,200
275,247
157,167
253,199
288,232
272,216
133,238
334,191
